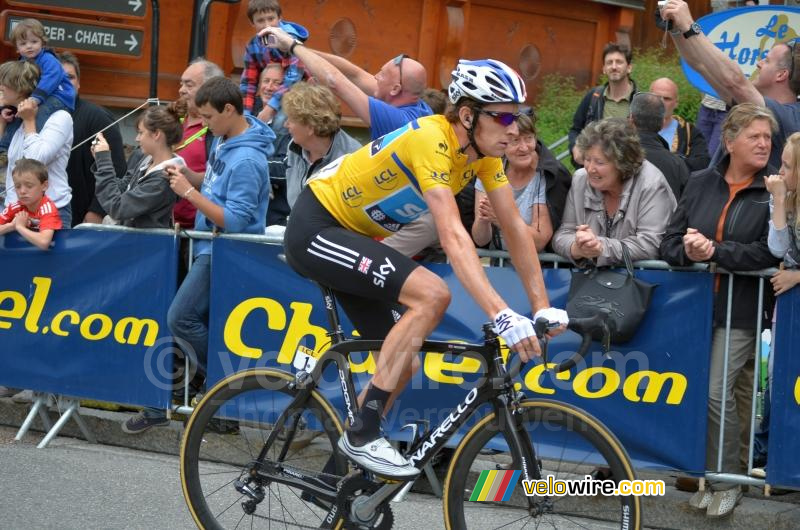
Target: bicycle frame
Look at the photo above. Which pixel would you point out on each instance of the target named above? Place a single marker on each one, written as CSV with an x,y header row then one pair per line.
x,y
494,383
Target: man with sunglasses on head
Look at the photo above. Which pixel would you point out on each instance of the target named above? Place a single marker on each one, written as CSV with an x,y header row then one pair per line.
x,y
384,101
775,83
389,183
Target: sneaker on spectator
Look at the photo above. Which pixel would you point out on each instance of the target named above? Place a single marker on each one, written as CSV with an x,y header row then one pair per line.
x,y
723,502
701,499
25,396
7,391
758,472
141,422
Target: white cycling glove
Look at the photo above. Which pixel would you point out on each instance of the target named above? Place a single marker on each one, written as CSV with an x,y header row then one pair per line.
x,y
513,327
554,316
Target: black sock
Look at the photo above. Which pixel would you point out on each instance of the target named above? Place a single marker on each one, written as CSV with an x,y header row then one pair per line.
x,y
367,426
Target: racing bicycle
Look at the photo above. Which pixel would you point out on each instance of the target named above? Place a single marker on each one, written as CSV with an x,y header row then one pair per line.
x,y
280,465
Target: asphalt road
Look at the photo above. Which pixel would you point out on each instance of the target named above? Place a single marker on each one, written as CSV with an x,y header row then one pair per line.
x,y
76,485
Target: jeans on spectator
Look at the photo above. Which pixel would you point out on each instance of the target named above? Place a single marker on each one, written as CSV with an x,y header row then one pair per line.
x,y
66,216
742,348
187,318
709,123
44,111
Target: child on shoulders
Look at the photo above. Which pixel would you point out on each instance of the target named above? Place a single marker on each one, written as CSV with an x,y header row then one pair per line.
x,y
53,92
262,14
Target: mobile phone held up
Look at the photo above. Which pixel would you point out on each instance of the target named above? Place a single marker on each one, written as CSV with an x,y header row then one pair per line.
x,y
269,40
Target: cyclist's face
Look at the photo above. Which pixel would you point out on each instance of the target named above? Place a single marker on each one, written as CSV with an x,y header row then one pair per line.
x,y
492,137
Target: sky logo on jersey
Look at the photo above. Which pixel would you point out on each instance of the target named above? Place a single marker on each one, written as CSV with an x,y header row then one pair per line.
x,y
376,146
395,210
495,485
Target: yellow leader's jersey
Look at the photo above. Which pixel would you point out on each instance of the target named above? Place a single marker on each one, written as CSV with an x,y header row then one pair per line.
x,y
378,189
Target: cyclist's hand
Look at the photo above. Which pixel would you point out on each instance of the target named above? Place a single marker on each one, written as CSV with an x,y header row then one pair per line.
x,y
557,320
518,333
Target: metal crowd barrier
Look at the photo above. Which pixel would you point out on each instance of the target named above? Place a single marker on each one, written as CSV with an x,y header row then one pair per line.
x,y
557,262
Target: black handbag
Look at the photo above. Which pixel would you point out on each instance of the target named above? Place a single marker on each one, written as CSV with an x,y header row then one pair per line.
x,y
622,297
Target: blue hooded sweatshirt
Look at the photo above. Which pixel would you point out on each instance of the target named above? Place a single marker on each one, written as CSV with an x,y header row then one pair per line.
x,y
237,178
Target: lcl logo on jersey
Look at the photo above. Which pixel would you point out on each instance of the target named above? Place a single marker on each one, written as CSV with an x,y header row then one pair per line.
x,y
443,177
352,196
467,176
500,177
386,179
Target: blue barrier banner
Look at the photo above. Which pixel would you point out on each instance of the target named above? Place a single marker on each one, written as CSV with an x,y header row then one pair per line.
x,y
784,425
85,318
652,393
746,35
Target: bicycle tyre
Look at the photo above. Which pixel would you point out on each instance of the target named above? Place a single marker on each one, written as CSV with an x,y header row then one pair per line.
x,y
208,457
476,452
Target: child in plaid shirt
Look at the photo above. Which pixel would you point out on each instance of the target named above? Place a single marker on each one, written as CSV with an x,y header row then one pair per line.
x,y
262,14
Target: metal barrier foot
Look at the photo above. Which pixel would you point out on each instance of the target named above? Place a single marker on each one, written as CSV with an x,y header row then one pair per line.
x,y
71,412
39,407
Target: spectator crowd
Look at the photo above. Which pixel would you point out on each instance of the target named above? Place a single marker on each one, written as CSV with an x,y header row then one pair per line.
x,y
234,158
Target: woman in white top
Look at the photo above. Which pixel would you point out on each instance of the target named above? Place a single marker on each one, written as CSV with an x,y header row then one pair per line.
x,y
50,146
528,186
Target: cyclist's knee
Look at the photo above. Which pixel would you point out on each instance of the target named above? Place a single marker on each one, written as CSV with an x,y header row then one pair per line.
x,y
437,298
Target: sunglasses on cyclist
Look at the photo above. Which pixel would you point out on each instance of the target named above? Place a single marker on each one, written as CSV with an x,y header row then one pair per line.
x,y
398,62
503,118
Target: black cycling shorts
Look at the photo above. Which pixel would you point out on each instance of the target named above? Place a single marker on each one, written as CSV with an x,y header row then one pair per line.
x,y
365,275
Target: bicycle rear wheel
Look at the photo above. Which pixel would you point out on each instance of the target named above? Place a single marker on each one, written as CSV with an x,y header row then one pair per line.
x,y
220,453
569,444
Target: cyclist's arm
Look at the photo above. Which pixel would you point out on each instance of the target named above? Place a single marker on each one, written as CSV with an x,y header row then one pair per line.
x,y
460,250
520,244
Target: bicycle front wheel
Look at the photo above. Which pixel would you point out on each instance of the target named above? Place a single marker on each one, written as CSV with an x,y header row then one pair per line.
x,y
234,476
568,444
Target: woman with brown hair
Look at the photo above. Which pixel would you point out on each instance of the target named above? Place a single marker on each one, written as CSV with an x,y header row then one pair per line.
x,y
142,198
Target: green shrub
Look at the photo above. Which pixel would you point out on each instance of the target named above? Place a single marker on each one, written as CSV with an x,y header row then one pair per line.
x,y
559,97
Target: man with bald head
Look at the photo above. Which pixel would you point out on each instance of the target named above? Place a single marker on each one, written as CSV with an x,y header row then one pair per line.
x,y
682,137
384,101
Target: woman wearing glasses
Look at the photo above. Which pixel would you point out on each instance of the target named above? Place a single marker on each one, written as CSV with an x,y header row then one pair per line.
x,y
528,185
618,199
389,183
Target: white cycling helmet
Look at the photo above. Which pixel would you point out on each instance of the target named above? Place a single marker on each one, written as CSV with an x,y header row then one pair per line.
x,y
488,81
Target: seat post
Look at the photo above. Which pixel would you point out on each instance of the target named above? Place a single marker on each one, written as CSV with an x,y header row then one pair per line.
x,y
334,327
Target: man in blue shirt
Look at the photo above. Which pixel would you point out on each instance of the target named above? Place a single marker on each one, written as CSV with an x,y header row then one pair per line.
x,y
385,101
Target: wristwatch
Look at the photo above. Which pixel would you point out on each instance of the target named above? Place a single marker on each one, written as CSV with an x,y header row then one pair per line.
x,y
297,42
693,30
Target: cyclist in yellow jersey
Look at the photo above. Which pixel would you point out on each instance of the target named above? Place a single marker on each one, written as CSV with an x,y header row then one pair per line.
x,y
389,183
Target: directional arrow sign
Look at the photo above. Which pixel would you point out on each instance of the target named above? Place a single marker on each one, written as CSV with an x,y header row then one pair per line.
x,y
87,37
134,8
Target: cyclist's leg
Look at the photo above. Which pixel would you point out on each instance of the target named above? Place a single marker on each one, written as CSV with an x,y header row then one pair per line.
x,y
323,250
374,323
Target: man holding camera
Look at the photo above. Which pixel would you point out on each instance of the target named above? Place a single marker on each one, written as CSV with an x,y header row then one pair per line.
x,y
775,84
